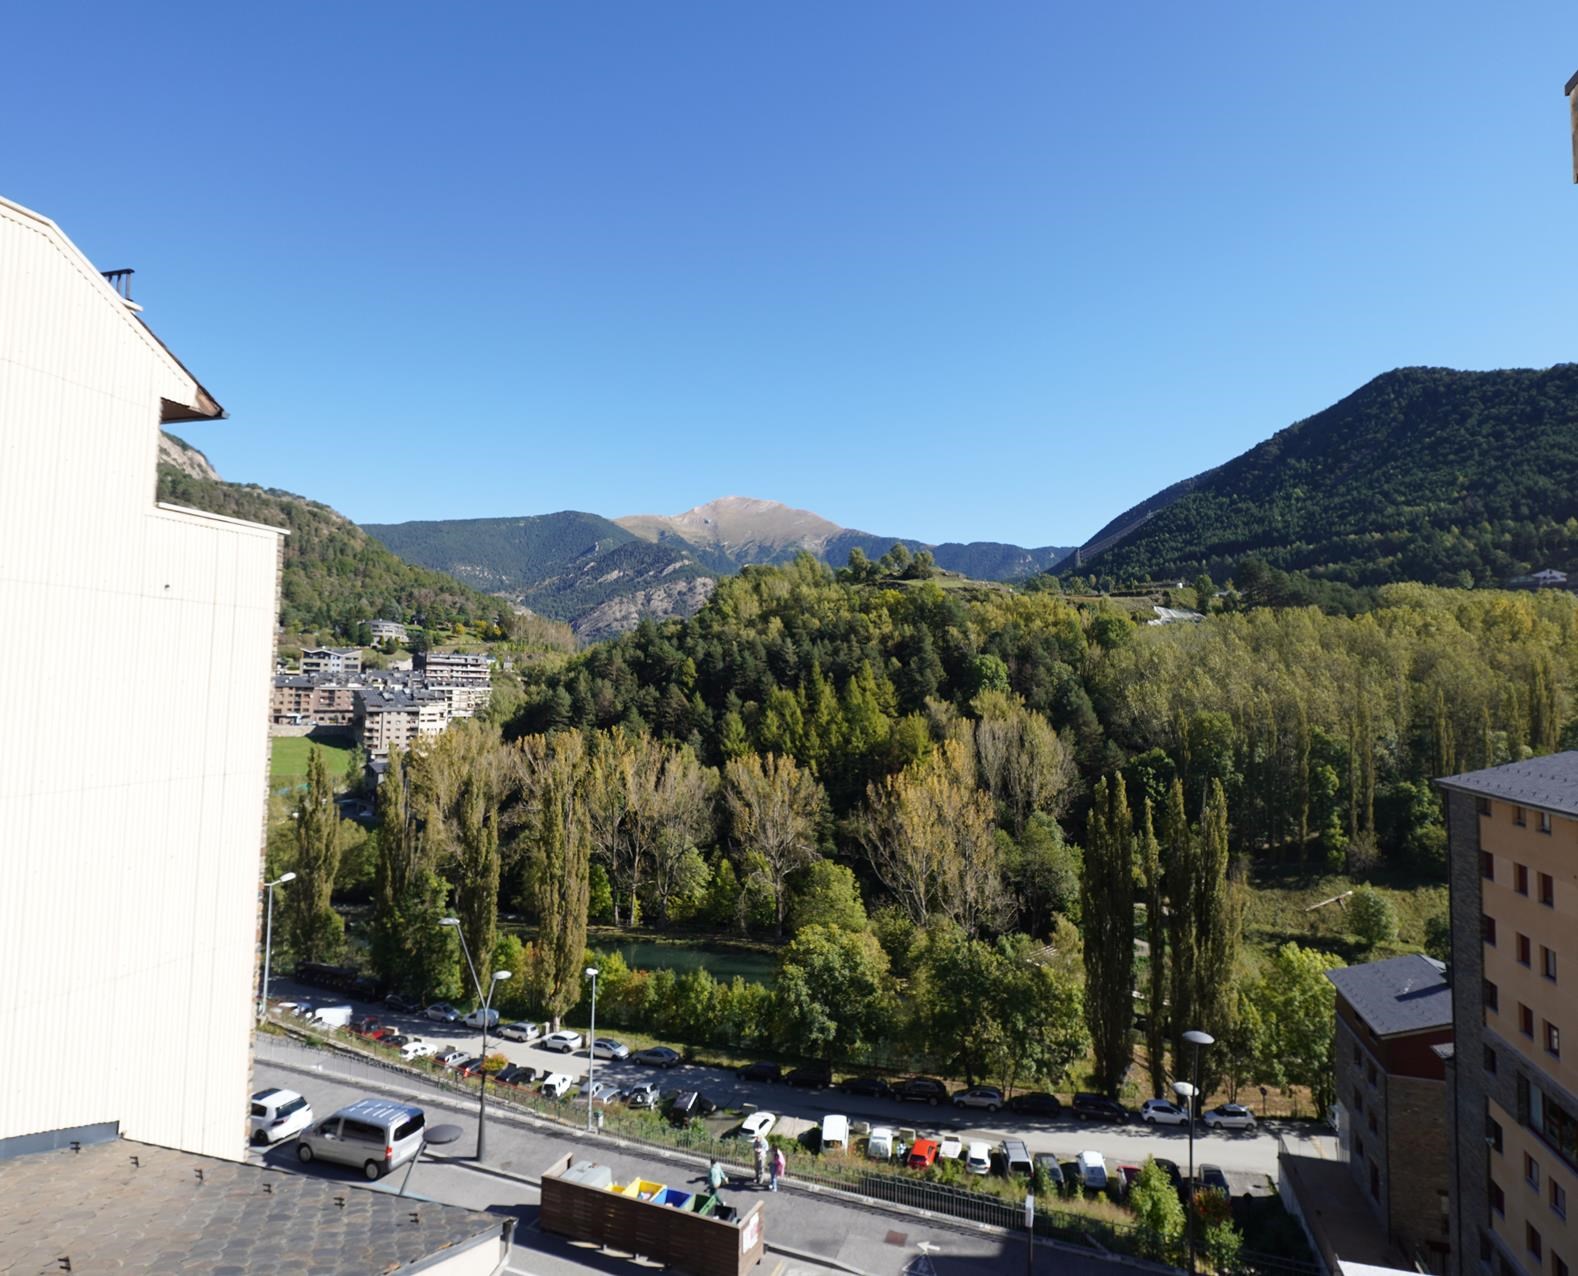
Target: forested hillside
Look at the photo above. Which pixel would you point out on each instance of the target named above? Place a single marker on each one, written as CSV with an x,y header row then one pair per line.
x,y
335,575
1424,474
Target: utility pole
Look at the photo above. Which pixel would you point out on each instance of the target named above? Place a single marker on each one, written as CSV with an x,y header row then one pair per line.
x,y
1572,105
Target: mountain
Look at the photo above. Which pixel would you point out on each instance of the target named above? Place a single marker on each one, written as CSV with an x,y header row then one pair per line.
x,y
1423,474
334,575
571,566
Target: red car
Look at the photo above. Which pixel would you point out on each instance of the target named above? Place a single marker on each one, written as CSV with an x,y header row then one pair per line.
x,y
368,1027
1127,1174
923,1155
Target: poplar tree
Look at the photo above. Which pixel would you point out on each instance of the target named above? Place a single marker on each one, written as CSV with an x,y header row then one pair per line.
x,y
560,855
409,949
1108,922
317,932
1182,938
1148,853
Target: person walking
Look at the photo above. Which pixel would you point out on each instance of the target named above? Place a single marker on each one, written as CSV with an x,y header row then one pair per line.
x,y
759,1147
777,1168
716,1178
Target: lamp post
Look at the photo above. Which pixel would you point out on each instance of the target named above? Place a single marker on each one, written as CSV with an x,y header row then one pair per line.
x,y
591,1047
1190,1092
499,976
268,941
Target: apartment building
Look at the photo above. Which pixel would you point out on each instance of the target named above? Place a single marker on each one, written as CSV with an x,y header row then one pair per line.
x,y
319,700
395,719
387,631
1512,1092
337,662
1391,1096
452,668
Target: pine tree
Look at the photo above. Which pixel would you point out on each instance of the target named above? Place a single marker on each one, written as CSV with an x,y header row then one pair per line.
x,y
1108,922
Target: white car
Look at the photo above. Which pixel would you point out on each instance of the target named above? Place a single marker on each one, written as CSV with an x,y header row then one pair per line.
x,y
1092,1171
608,1048
1230,1116
416,1048
879,1145
951,1148
605,1092
757,1126
522,1031
442,1012
480,1018
278,1114
450,1057
978,1159
1162,1112
982,1096
563,1041
557,1085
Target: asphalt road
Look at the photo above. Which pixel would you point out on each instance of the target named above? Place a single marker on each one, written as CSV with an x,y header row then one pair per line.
x,y
1245,1157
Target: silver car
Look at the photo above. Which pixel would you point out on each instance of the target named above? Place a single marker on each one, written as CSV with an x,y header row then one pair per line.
x,y
608,1048
373,1135
521,1031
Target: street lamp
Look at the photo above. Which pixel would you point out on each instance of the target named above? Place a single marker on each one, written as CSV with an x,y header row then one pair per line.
x,y
268,941
1190,1093
591,1047
499,976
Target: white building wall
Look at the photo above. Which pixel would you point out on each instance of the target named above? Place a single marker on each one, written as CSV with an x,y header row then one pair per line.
x,y
132,778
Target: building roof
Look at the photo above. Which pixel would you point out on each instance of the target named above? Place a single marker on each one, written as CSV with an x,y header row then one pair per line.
x,y
1549,783
127,1206
1401,994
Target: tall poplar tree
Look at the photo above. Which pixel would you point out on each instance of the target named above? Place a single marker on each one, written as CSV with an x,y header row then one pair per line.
x,y
1183,949
1108,922
410,951
317,932
1149,856
559,848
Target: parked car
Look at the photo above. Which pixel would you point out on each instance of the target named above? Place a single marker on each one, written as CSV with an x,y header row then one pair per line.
x,y
1046,1163
867,1087
978,1157
605,1092
923,1154
1125,1178
442,1012
1092,1171
656,1057
1163,1112
608,1048
690,1105
813,1076
1036,1104
756,1125
557,1085
950,1147
1212,1179
1016,1159
921,1090
366,1026
835,1133
981,1096
469,1066
510,1074
333,1016
1174,1174
480,1018
521,1031
277,1114
416,1048
768,1072
1098,1107
374,1134
644,1095
563,1041
879,1145
401,1005
450,1056
1230,1116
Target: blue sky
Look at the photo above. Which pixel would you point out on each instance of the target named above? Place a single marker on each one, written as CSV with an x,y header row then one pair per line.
x,y
953,271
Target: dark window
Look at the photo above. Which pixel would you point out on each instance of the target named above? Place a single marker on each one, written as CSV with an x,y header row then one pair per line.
x,y
1498,1198
1531,1238
1545,821
1558,1268
1525,950
1375,1181
1482,805
1493,1133
1520,878
1358,1099
295,1105
1547,890
1557,1126
1525,1020
1553,1040
1519,817
1557,1195
1547,962
1487,866
259,1110
1369,1072
1490,1061
1358,1148
1487,929
1531,1171
1492,998
362,1132
1374,1128
407,1128
1356,1054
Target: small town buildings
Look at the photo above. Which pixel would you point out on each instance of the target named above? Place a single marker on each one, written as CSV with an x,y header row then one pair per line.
x,y
312,700
396,719
1391,1096
387,631
339,662
453,668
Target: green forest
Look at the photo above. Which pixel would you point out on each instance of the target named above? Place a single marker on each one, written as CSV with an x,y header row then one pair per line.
x,y
955,813
1424,474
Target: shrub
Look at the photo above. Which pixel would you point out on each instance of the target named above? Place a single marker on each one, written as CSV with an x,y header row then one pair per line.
x,y
1372,917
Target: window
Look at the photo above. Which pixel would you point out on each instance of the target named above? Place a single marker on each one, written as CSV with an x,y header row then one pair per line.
x,y
1492,997
1487,866
1545,821
1356,1054
1547,963
1490,1061
1557,1126
1558,1268
1531,1171
1547,890
1519,817
1498,1198
1520,878
1375,1181
1553,1040
1482,805
1556,1194
1493,1133
1358,1099
1369,1072
1487,929
1374,1128
1531,1238
1525,1020
1525,950
1358,1148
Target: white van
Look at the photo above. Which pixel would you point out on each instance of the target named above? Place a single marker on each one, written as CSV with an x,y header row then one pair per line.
x,y
1093,1171
835,1133
557,1085
333,1016
373,1134
880,1145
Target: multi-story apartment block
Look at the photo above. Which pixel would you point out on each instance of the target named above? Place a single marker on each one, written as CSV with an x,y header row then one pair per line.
x,y
452,668
1513,1093
387,631
338,662
301,699
1391,1095
395,719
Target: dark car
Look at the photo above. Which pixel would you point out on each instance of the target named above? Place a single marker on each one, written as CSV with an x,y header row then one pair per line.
x,y
1036,1104
768,1072
813,1076
470,1067
867,1087
689,1106
1171,1170
516,1074
1098,1107
389,1037
1213,1180
1046,1163
922,1090
366,1026
401,1005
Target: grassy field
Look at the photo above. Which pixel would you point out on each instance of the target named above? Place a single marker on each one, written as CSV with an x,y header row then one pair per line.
x,y
1279,911
288,764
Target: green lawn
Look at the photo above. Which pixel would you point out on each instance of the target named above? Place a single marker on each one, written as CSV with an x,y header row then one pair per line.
x,y
288,765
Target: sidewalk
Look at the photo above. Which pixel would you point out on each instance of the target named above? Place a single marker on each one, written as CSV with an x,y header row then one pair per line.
x,y
809,1227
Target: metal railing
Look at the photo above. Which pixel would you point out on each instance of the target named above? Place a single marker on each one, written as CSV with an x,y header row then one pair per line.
x,y
121,281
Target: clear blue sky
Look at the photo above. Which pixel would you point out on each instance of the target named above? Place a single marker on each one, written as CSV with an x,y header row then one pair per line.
x,y
947,270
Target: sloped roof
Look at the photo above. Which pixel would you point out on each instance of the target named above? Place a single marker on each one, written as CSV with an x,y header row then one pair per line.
x,y
1401,994
1549,783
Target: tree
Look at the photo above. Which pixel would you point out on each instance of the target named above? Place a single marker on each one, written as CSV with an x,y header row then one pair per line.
x,y
1158,1213
559,848
773,810
1295,1004
1183,946
831,996
1107,914
610,778
316,931
1218,919
1154,887
670,814
828,895
1372,917
1020,760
